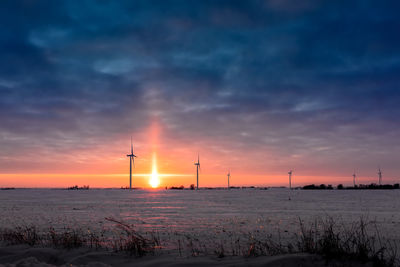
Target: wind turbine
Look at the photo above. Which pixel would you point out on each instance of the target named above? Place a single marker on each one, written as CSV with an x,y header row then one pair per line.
x,y
197,164
354,178
290,179
131,164
380,176
229,176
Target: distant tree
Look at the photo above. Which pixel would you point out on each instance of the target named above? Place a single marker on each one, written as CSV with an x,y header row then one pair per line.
x,y
177,187
322,186
396,186
330,187
192,187
340,186
310,186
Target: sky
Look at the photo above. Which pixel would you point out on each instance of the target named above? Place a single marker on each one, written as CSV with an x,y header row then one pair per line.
x,y
256,88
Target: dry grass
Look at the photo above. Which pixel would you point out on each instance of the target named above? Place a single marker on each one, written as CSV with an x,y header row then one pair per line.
x,y
129,240
124,239
67,238
21,235
360,241
335,241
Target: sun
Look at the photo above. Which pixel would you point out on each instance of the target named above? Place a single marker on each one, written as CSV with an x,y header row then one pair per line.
x,y
154,179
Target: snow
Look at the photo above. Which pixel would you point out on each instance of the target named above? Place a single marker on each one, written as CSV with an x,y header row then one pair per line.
x,y
205,213
19,256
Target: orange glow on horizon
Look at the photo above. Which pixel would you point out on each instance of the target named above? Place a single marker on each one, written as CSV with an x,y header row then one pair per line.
x,y
142,180
164,160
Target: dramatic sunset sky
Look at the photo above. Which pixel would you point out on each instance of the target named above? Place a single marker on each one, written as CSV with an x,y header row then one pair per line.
x,y
255,87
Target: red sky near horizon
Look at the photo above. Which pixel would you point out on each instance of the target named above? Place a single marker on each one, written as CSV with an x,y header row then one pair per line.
x,y
107,166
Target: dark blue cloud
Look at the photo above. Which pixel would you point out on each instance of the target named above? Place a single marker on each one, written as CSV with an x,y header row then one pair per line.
x,y
293,78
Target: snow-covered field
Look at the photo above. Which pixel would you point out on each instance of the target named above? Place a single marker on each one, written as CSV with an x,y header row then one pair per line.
x,y
192,221
203,212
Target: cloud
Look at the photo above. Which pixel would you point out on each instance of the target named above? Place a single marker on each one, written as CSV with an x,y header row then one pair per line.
x,y
290,79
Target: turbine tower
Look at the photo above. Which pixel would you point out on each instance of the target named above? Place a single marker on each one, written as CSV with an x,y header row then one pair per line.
x,y
290,179
354,178
197,170
380,176
229,176
131,164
